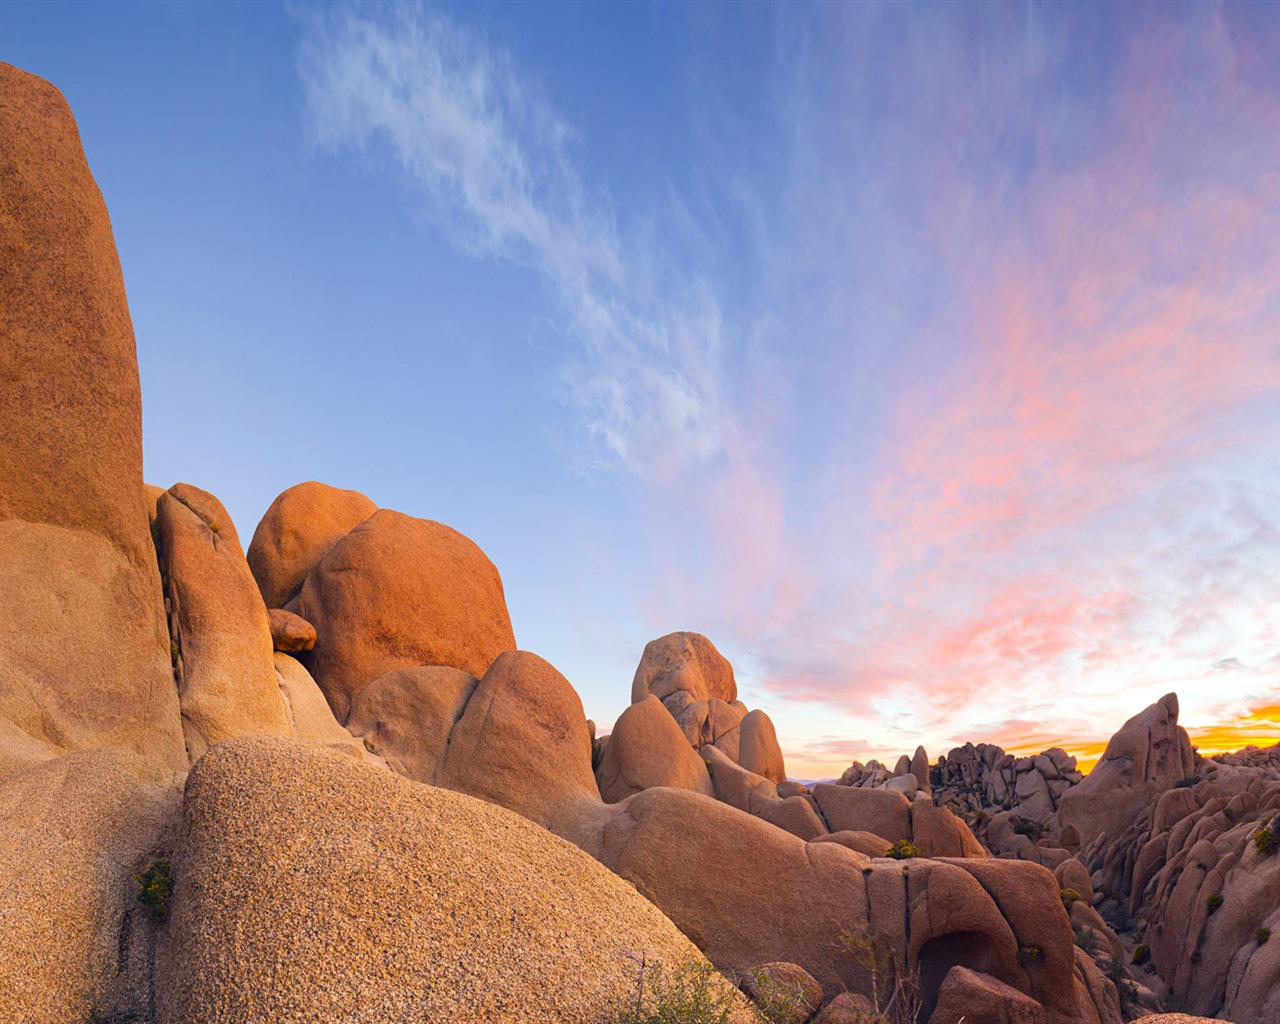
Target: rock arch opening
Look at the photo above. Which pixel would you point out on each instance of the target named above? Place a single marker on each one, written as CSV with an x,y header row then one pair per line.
x,y
973,950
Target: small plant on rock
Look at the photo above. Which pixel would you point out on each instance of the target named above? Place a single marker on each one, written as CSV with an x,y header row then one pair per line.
x,y
903,849
895,995
1141,955
1213,901
692,993
1265,840
155,886
1069,898
1087,939
1261,934
1028,954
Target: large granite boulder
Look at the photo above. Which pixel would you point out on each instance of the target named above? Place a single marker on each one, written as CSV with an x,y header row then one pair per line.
x,y
884,812
84,657
223,653
312,888
977,998
308,713
646,749
298,530
522,742
1148,755
758,749
75,943
397,592
406,716
684,663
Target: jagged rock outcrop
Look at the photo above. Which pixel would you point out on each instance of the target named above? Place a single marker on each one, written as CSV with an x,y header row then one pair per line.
x,y
310,887
222,649
1148,755
1008,803
84,656
397,592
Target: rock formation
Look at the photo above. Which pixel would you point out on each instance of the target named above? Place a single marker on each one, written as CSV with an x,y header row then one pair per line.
x,y
313,888
298,530
695,683
1150,754
84,656
222,647
424,595
390,813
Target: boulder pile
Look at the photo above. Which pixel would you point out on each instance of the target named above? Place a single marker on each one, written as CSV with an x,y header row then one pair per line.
x,y
317,780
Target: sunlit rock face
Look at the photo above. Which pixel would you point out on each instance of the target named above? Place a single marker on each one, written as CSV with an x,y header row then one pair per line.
x,y
84,656
1148,755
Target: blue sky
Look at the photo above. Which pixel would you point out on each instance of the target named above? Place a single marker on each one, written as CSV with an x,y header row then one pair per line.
x,y
925,357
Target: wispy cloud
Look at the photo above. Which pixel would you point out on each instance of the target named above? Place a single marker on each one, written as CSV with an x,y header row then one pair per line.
x,y
453,117
1061,485
984,447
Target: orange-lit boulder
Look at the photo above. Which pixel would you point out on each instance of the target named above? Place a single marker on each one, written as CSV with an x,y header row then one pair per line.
x,y
298,530
397,592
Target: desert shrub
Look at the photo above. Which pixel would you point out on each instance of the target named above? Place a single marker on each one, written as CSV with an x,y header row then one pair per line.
x,y
1028,954
691,993
903,849
1213,901
155,886
1141,955
710,768
896,997
1261,934
1265,840
774,1002
1069,898
1087,939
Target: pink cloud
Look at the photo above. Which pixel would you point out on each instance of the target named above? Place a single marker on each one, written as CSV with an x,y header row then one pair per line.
x,y
1118,334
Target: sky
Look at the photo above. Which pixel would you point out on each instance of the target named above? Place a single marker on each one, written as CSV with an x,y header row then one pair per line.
x,y
925,357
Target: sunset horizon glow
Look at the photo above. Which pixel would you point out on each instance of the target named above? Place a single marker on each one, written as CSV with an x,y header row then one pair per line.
x,y
924,358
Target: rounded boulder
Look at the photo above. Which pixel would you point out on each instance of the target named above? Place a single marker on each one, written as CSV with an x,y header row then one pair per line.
x,y
397,592
312,888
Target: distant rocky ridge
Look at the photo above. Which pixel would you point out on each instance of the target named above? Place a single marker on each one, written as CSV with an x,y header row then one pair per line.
x,y
317,781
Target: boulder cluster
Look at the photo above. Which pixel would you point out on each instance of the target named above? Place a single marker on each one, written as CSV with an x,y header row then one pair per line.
x,y
316,780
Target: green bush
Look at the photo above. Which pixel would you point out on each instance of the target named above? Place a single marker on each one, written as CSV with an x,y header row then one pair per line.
x,y
1213,901
1141,955
1265,840
1069,898
693,993
1087,939
1261,934
155,886
1028,954
903,849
